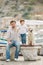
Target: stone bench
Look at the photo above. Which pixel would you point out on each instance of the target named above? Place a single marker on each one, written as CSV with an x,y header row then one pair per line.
x,y
41,51
28,52
3,52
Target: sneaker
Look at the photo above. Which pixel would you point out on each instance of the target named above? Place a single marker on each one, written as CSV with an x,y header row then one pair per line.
x,y
8,60
16,59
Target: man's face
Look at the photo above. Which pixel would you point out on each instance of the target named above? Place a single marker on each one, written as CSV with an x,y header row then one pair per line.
x,y
13,24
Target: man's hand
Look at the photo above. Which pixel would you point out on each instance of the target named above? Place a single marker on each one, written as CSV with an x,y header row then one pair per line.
x,y
9,41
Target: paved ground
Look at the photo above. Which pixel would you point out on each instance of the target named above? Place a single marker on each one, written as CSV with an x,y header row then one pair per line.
x,y
22,62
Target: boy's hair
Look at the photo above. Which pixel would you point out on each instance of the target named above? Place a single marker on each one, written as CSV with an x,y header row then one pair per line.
x,y
22,21
12,21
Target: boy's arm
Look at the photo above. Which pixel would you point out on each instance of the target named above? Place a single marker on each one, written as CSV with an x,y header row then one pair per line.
x,y
27,28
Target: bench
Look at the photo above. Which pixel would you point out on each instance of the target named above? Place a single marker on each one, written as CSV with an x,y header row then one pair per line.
x,y
3,52
28,52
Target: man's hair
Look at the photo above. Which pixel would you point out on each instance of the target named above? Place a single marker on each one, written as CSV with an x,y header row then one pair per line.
x,y
12,21
21,21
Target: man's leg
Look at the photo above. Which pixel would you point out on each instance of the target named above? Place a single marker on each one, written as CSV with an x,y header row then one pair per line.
x,y
17,45
8,51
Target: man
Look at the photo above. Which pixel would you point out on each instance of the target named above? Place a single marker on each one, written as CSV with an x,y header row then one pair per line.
x,y
13,40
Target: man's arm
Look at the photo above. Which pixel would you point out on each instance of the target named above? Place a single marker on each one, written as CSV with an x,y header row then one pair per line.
x,y
8,35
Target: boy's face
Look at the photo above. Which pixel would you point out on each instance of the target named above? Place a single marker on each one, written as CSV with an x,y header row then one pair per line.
x,y
22,22
13,24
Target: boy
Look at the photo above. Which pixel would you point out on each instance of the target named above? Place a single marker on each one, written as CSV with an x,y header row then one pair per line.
x,y
22,31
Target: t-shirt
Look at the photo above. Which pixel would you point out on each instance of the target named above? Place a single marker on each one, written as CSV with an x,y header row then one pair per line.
x,y
12,34
23,29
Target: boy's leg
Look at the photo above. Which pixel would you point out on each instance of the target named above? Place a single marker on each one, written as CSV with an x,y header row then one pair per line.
x,y
23,38
21,35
